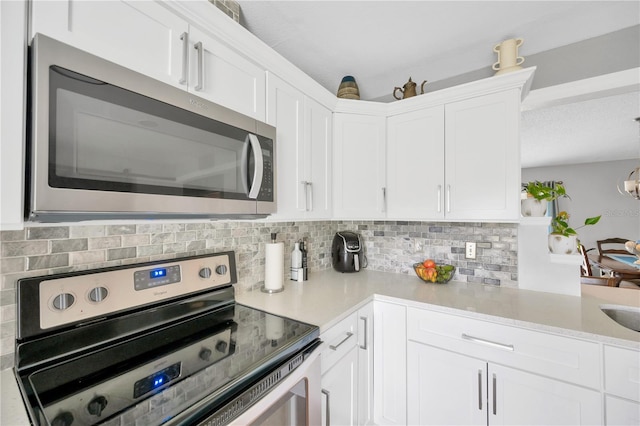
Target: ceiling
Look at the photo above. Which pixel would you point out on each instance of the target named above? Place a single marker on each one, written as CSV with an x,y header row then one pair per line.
x,y
383,43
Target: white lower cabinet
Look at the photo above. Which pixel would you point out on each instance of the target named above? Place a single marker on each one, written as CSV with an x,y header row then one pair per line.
x,y
621,386
390,364
340,391
464,379
365,364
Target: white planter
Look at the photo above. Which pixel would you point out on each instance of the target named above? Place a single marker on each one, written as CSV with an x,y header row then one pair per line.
x,y
533,207
559,244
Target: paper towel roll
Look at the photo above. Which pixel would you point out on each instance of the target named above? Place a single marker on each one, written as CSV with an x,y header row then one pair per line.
x,y
274,266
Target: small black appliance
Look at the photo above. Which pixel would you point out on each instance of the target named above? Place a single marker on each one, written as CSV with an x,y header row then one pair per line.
x,y
347,252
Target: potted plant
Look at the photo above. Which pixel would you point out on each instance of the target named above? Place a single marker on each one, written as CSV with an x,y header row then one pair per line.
x,y
563,239
538,196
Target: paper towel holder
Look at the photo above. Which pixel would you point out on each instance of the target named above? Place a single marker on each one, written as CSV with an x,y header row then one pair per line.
x,y
280,261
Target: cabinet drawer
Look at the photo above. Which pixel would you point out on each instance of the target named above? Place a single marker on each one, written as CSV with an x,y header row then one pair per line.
x,y
622,372
338,340
554,356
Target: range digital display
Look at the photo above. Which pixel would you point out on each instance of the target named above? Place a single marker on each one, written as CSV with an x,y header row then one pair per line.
x,y
158,273
156,277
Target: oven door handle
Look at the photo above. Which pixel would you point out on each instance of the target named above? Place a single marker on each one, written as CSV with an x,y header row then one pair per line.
x,y
251,141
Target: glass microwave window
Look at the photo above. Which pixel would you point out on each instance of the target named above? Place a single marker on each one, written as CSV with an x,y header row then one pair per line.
x,y
108,138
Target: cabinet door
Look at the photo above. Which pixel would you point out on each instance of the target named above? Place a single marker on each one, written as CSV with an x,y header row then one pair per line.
x,y
222,76
339,391
621,412
12,112
359,166
318,154
517,397
445,387
390,364
365,365
140,35
482,157
284,112
415,165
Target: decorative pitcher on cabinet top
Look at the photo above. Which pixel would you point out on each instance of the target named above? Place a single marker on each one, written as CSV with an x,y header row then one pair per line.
x,y
508,59
408,90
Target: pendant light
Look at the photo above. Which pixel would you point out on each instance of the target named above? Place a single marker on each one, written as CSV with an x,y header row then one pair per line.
x,y
631,185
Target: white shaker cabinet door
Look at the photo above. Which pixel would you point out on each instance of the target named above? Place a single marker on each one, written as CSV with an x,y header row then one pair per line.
x,y
359,166
220,75
518,397
390,364
415,165
284,112
444,387
482,157
339,391
140,35
365,365
318,158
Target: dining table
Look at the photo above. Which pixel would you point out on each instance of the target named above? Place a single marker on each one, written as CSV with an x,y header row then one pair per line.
x,y
621,266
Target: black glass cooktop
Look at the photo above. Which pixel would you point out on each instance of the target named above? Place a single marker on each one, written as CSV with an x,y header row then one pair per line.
x,y
148,379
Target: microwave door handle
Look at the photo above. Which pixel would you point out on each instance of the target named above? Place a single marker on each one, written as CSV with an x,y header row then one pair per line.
x,y
258,166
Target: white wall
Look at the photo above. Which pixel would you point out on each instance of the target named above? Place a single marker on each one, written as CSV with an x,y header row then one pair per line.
x,y
592,188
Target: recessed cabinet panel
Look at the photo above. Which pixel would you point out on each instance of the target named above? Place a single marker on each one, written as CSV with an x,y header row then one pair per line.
x,y
318,159
359,164
415,165
622,372
145,39
482,152
445,387
219,74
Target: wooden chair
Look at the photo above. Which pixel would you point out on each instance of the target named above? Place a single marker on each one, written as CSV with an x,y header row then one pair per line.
x,y
612,241
585,268
604,281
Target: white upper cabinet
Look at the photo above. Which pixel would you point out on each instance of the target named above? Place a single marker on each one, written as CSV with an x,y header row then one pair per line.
x,y
140,35
222,76
303,152
359,166
482,157
415,166
151,39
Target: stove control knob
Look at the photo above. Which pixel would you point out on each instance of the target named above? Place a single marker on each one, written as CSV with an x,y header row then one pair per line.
x,y
221,269
205,354
98,294
205,273
97,405
63,301
221,346
63,419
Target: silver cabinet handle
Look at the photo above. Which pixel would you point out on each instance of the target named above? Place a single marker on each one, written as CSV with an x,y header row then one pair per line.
x,y
384,199
365,319
200,50
185,57
327,411
439,198
487,342
308,195
494,395
448,198
480,390
335,348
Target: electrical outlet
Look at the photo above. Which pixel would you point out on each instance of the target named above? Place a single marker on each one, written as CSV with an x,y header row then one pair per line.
x,y
417,247
470,250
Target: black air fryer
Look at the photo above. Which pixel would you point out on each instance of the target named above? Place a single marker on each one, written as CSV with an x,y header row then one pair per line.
x,y
347,252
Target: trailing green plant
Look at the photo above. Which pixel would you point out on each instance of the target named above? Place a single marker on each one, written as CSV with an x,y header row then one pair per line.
x,y
560,224
540,191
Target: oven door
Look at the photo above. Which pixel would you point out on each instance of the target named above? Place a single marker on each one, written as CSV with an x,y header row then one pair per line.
x,y
295,401
107,140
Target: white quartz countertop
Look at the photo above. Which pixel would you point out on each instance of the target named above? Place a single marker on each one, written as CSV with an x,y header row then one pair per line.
x,y
329,296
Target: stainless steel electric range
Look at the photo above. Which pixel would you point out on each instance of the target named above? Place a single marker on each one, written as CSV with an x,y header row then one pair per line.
x,y
149,344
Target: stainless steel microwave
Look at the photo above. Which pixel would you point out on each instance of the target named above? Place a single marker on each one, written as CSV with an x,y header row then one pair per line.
x,y
107,142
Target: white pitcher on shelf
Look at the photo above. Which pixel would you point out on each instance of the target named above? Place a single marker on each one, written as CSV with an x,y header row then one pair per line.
x,y
508,59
